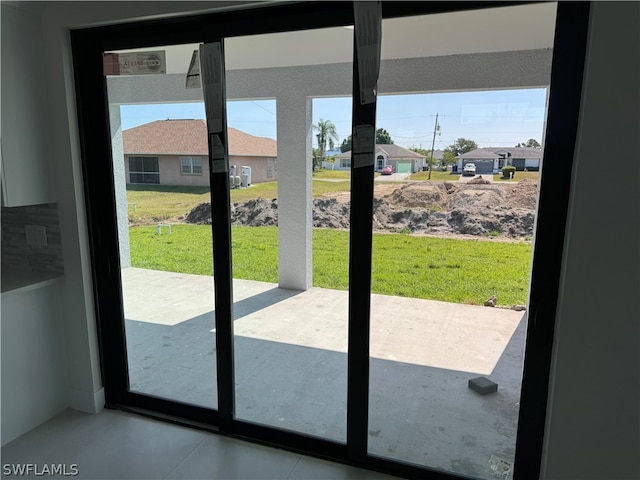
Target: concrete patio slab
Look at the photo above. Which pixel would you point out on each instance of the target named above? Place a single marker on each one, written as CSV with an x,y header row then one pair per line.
x,y
459,337
291,365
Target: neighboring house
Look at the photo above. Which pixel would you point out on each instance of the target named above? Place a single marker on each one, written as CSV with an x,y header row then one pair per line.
x,y
175,152
437,155
491,160
402,159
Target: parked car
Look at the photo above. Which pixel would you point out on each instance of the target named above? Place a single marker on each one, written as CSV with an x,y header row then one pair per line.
x,y
469,169
387,170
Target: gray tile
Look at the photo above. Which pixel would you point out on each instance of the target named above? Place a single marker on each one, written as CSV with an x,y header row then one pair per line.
x,y
110,445
139,448
309,468
224,458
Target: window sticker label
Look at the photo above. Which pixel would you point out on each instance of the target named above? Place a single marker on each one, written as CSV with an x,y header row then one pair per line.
x,y
363,160
363,146
211,71
138,63
368,32
193,74
364,139
219,161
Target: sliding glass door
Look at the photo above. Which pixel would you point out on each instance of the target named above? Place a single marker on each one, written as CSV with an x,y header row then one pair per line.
x,y
160,173
277,261
449,310
290,335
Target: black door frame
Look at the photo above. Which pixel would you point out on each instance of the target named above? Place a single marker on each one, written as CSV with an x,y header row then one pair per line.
x,y
92,108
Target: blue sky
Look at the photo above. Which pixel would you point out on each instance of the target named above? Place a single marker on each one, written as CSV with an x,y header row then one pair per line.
x,y
492,118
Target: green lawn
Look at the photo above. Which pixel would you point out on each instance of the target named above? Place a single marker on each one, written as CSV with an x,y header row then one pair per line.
x,y
156,203
517,177
459,271
332,174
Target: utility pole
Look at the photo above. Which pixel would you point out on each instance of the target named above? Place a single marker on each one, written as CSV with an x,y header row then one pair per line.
x,y
436,128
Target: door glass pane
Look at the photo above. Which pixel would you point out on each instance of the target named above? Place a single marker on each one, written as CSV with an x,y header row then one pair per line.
x,y
165,249
452,243
289,230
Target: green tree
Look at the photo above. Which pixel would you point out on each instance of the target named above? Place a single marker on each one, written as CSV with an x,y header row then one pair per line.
x,y
382,138
531,143
460,146
326,135
317,159
345,146
449,158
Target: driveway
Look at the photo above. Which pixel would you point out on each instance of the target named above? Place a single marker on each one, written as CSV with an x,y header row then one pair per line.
x,y
394,177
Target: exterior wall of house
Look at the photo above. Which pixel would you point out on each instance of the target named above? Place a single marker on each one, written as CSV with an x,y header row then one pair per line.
x,y
171,173
260,170
528,163
416,163
478,161
532,163
337,164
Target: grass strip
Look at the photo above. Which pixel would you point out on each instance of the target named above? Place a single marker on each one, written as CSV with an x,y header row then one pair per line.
x,y
449,270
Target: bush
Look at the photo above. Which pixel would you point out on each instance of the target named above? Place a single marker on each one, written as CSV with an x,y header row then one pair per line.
x,y
506,172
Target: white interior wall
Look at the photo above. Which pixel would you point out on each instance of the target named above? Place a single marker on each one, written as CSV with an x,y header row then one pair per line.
x,y
34,360
595,371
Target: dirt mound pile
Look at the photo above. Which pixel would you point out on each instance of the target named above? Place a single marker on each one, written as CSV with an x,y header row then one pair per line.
x,y
421,195
442,208
479,181
256,212
524,194
330,213
476,197
200,214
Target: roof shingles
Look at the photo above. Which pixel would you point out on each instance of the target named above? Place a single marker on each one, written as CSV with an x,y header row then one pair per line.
x,y
189,137
491,152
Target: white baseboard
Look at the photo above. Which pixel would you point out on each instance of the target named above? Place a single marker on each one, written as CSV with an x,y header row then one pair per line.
x,y
86,401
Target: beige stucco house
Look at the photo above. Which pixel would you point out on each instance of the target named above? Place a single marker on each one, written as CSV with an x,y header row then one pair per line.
x,y
174,152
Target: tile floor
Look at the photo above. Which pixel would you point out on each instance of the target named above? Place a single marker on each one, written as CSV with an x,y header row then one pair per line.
x,y
118,445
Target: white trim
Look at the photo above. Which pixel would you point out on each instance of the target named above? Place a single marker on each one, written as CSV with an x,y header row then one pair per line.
x,y
86,401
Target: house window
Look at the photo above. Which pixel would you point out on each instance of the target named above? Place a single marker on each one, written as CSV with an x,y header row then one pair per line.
x,y
191,165
144,170
518,163
345,163
271,167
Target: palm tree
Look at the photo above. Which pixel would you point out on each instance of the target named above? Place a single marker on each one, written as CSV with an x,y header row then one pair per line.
x,y
326,134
